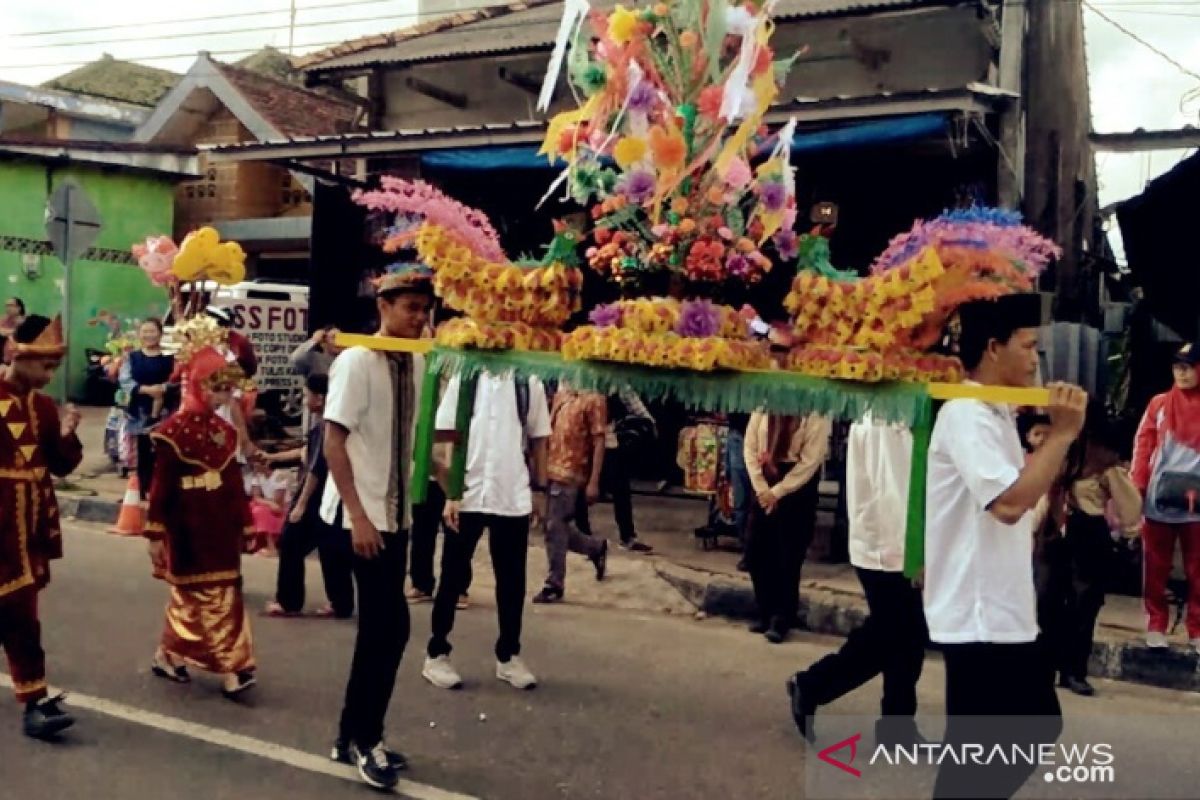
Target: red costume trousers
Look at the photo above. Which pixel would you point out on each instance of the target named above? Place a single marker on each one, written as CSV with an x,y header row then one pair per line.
x,y
21,637
1158,549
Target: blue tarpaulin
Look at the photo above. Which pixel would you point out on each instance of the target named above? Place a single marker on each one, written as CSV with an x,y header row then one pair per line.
x,y
857,134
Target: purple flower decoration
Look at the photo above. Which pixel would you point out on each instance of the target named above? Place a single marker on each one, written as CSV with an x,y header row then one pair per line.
x,y
773,196
643,97
637,186
738,265
606,316
786,244
697,319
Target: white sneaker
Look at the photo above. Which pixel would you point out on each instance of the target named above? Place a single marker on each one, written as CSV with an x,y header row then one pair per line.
x,y
441,673
515,673
1156,640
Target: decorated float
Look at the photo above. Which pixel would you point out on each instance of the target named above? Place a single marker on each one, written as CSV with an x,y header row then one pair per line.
x,y
691,201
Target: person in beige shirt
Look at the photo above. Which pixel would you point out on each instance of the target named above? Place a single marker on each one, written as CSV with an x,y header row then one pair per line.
x,y
1077,554
784,457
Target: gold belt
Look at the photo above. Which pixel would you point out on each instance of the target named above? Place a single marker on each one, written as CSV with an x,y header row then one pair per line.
x,y
209,481
35,474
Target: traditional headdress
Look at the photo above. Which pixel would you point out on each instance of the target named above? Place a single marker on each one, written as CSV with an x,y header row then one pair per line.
x,y
405,277
38,337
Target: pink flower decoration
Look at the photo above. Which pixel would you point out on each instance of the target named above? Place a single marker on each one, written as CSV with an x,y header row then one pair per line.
x,y
737,174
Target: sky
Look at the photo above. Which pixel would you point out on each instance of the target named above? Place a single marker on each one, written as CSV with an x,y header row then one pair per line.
x,y
1131,86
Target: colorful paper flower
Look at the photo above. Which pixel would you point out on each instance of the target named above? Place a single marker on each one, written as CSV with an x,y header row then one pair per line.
x,y
668,148
629,150
643,98
709,102
622,25
606,316
737,174
786,244
773,196
638,186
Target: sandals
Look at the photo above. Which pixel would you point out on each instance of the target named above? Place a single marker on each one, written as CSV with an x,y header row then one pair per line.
x,y
246,680
161,667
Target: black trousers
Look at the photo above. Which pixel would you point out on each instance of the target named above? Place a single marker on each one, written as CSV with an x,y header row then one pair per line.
x,y
145,463
383,629
508,540
332,544
891,640
996,694
614,480
1073,577
775,553
427,520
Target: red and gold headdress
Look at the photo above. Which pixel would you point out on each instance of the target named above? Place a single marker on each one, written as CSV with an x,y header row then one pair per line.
x,y
48,344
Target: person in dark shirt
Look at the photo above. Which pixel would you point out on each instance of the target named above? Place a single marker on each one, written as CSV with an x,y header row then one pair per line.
x,y
305,531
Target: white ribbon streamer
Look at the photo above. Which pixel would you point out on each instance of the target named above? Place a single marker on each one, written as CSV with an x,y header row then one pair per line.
x,y
574,12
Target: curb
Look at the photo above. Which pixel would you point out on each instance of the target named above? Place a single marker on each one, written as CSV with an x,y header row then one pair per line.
x,y
837,613
88,509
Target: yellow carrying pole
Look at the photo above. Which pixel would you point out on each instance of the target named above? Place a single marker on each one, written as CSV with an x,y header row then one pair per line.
x,y
1029,396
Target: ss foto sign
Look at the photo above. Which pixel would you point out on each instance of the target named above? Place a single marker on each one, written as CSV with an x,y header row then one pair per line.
x,y
275,328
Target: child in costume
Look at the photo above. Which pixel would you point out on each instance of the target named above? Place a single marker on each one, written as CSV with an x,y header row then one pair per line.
x,y
198,552
35,444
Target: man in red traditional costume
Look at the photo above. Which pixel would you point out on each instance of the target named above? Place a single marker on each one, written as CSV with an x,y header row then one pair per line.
x,y
198,522
34,445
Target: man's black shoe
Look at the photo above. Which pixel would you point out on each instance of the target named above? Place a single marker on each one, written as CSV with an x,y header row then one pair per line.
x,y
343,753
600,560
778,631
375,768
760,627
1079,686
43,718
803,709
898,731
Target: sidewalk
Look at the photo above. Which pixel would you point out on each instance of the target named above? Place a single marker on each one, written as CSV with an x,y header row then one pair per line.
x,y
703,581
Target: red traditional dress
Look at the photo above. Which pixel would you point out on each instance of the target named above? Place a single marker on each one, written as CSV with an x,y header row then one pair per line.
x,y
32,450
198,507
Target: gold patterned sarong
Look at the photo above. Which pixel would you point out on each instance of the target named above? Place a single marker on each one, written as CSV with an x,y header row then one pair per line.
x,y
207,628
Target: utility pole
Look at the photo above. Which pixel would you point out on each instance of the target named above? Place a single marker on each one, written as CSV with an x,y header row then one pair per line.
x,y
292,29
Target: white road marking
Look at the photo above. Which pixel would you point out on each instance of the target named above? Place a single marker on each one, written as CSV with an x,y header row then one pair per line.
x,y
243,744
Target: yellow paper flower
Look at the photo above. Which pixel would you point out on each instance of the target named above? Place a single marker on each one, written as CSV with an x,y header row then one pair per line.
x,y
629,151
622,25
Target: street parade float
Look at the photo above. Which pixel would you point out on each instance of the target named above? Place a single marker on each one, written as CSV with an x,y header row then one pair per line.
x,y
691,202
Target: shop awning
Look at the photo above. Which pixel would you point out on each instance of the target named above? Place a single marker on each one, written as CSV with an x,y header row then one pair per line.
x,y
857,134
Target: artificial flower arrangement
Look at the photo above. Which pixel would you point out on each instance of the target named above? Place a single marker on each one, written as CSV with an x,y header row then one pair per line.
x,y
665,332
879,327
671,102
506,304
182,269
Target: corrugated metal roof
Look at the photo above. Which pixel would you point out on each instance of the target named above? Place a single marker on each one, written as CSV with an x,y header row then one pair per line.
x,y
514,31
974,98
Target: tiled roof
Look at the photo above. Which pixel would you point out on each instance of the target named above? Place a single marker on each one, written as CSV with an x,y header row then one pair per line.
x,y
288,108
524,26
117,80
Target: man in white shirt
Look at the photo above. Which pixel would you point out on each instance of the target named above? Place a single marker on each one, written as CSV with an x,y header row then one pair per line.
x,y
509,428
370,415
892,639
979,592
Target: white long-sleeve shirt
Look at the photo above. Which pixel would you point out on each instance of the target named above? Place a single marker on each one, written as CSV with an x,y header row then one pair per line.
x,y
878,464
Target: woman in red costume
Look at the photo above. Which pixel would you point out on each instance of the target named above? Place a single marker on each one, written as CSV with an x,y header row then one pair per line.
x,y
198,523
1166,470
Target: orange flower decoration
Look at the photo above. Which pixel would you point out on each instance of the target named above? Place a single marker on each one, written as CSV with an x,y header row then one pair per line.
x,y
668,148
762,61
709,102
687,40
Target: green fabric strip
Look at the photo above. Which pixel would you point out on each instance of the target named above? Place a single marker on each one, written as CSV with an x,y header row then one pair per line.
x,y
462,427
778,392
914,534
423,442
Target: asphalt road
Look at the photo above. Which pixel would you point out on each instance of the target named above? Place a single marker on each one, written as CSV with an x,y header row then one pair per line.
x,y
631,705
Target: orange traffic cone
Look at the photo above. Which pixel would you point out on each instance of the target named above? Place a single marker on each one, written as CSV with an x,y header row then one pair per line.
x,y
131,520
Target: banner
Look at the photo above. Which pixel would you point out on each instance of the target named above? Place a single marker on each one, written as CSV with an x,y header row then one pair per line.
x,y
275,328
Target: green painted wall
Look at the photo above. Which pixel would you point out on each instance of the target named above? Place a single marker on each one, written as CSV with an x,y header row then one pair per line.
x,y
132,206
